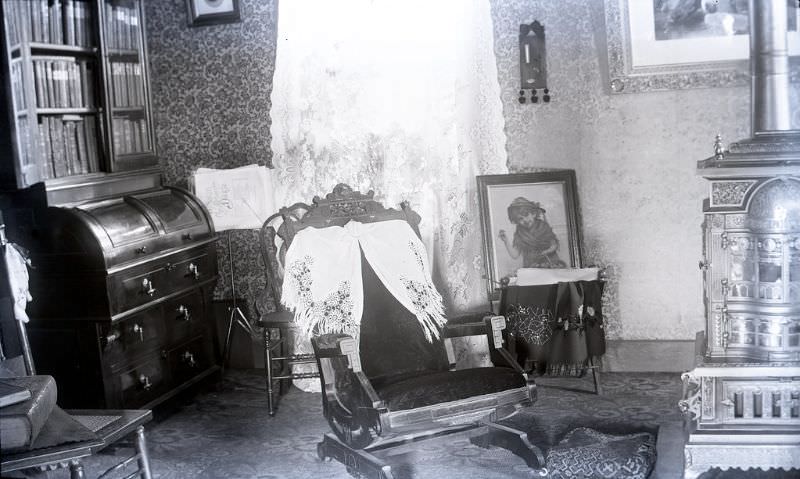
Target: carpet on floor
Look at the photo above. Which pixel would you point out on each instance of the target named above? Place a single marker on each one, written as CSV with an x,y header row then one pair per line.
x,y
227,433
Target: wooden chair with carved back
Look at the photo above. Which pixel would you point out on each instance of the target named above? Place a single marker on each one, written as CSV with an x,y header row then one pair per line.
x,y
395,386
281,364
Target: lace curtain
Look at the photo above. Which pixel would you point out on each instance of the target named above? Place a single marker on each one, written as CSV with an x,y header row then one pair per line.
x,y
401,98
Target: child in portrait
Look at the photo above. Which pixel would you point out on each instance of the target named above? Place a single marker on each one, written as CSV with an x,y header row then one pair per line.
x,y
534,239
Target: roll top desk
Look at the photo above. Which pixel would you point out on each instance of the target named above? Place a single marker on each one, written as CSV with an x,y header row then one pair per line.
x,y
122,299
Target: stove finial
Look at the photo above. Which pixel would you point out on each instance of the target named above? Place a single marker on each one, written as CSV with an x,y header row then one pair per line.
x,y
719,148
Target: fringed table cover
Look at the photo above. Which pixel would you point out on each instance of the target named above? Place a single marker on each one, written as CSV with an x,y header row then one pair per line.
x,y
558,327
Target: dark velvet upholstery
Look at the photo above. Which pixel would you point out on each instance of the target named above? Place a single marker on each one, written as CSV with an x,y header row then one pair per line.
x,y
408,371
392,341
425,389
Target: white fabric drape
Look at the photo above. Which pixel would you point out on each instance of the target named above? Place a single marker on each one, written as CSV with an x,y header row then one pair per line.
x,y
17,266
323,284
400,97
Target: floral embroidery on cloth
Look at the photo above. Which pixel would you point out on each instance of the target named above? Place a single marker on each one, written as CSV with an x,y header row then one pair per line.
x,y
298,273
333,314
532,323
323,284
425,298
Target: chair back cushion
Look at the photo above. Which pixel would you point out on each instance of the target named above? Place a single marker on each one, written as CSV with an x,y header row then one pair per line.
x,y
392,341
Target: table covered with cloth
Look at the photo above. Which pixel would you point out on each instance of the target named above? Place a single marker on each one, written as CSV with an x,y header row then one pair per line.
x,y
557,328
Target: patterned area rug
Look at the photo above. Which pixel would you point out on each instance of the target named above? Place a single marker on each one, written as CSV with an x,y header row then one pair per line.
x,y
227,433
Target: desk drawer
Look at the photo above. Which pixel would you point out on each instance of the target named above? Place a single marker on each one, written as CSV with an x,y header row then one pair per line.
x,y
186,270
161,277
189,359
142,383
184,316
135,334
138,286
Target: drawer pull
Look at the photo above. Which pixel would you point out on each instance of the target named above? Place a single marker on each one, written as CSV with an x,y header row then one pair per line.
x,y
145,382
147,287
141,250
138,329
188,358
194,270
184,313
186,236
112,336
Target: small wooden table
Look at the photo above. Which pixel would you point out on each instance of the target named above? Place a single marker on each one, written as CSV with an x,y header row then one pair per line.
x,y
66,455
558,323
109,425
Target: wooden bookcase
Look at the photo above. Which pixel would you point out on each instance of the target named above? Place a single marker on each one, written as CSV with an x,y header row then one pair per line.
x,y
124,266
77,98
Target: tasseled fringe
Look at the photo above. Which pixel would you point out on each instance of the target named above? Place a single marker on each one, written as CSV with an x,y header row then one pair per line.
x,y
304,319
311,318
310,323
314,316
575,369
432,317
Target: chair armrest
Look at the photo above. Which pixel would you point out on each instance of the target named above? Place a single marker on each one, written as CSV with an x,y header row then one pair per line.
x,y
490,325
331,349
475,317
327,345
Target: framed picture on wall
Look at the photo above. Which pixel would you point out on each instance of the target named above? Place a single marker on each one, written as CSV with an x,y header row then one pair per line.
x,y
212,12
529,220
674,44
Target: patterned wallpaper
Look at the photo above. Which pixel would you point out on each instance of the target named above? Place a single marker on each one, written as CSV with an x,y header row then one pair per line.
x,y
211,91
635,154
635,157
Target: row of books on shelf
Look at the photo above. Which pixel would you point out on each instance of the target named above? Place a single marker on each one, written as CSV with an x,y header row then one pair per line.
x,y
130,136
64,82
69,145
122,25
24,150
128,84
62,22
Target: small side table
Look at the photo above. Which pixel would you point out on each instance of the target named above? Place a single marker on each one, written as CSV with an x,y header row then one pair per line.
x,y
111,425
108,426
65,455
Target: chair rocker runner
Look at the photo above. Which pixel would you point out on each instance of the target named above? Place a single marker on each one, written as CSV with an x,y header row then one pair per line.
x,y
393,386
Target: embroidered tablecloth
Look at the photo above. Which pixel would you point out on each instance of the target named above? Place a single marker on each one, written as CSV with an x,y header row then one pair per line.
x,y
557,327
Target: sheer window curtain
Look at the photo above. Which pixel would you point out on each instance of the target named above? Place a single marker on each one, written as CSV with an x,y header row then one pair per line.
x,y
401,97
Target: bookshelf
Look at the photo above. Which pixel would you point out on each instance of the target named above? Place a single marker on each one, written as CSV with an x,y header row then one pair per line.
x,y
77,99
125,266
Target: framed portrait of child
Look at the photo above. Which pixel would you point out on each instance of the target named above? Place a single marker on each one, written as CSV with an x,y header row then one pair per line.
x,y
528,220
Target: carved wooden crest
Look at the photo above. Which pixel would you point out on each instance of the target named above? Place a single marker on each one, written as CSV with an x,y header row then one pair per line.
x,y
343,204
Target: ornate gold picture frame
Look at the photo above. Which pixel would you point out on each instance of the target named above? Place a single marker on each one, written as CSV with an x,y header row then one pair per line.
x,y
654,46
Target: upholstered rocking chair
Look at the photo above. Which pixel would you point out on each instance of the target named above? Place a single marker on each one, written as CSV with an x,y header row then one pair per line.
x,y
396,386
